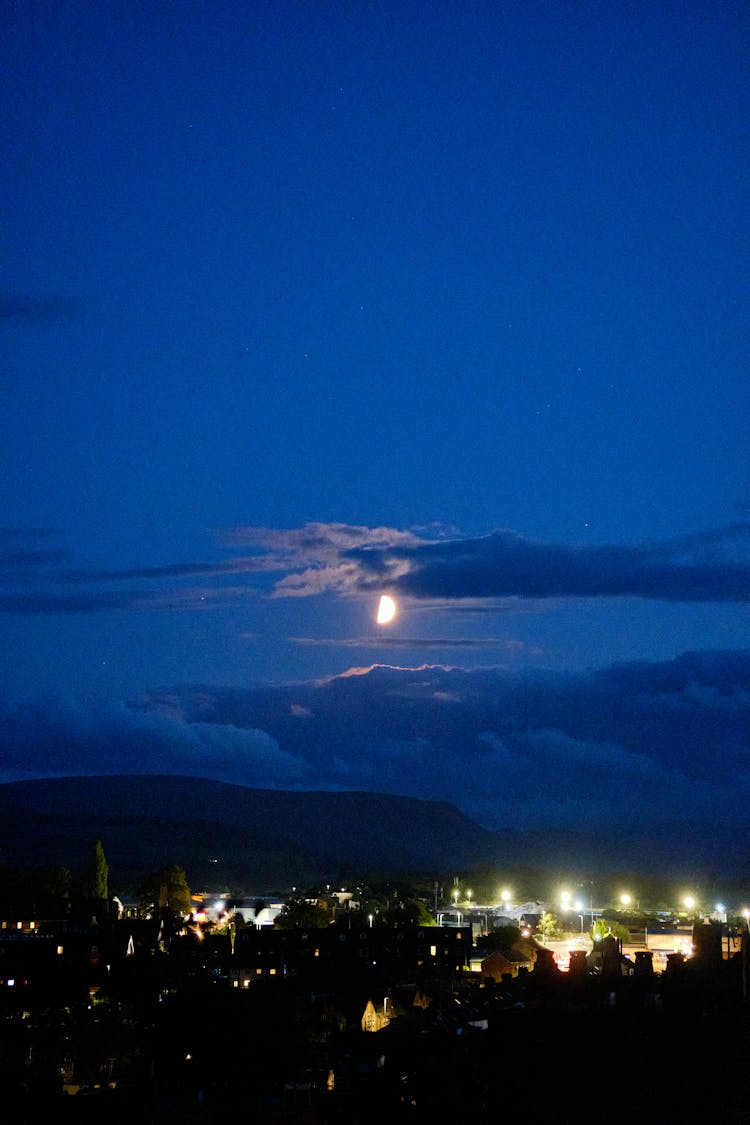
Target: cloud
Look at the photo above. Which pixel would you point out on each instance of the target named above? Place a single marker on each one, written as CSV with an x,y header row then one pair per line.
x,y
20,554
389,642
709,566
62,739
495,573
625,746
698,568
44,603
316,556
317,540
24,557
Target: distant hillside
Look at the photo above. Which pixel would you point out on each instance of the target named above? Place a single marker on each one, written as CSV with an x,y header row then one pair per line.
x,y
252,839
262,840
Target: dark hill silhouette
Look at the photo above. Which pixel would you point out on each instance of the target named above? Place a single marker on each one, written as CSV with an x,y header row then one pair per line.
x,y
257,840
229,834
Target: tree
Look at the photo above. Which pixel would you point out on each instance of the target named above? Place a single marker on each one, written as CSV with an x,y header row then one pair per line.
x,y
53,887
547,927
97,878
166,888
607,927
299,914
40,891
409,912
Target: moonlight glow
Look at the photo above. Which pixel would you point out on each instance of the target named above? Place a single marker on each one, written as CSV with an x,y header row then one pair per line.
x,y
386,610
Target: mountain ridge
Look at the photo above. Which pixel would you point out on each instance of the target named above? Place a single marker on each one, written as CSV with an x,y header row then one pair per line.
x,y
222,830
233,835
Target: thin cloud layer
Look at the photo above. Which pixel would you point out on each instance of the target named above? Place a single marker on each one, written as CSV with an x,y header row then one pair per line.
x,y
437,643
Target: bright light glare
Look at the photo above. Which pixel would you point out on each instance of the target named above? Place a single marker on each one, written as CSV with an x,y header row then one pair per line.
x,y
386,610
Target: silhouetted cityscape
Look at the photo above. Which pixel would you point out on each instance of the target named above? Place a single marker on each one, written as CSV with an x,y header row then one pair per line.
x,y
393,1000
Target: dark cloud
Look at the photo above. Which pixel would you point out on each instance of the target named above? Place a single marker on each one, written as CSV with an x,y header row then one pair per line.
x,y
709,566
60,739
624,746
43,603
102,601
20,559
505,564
19,550
170,570
35,581
497,572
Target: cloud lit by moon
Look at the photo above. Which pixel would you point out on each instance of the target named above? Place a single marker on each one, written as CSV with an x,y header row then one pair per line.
x,y
386,610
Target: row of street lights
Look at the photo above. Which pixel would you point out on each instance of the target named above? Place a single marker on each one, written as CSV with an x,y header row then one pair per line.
x,y
567,903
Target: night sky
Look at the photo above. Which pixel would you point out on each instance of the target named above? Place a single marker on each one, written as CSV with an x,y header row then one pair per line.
x,y
303,303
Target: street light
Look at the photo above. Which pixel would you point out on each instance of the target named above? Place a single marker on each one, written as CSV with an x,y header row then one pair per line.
x,y
626,900
505,899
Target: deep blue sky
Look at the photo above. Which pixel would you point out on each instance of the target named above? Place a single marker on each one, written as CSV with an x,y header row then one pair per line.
x,y
429,271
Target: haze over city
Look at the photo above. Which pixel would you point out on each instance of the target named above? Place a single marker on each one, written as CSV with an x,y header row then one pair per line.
x,y
305,305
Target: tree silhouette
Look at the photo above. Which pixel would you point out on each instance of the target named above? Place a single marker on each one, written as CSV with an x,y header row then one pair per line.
x,y
97,878
166,889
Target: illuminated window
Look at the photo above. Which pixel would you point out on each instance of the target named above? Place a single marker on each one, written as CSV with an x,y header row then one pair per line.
x,y
272,972
59,951
433,951
316,953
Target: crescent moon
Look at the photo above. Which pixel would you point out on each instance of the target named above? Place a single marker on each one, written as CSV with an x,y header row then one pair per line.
x,y
386,610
